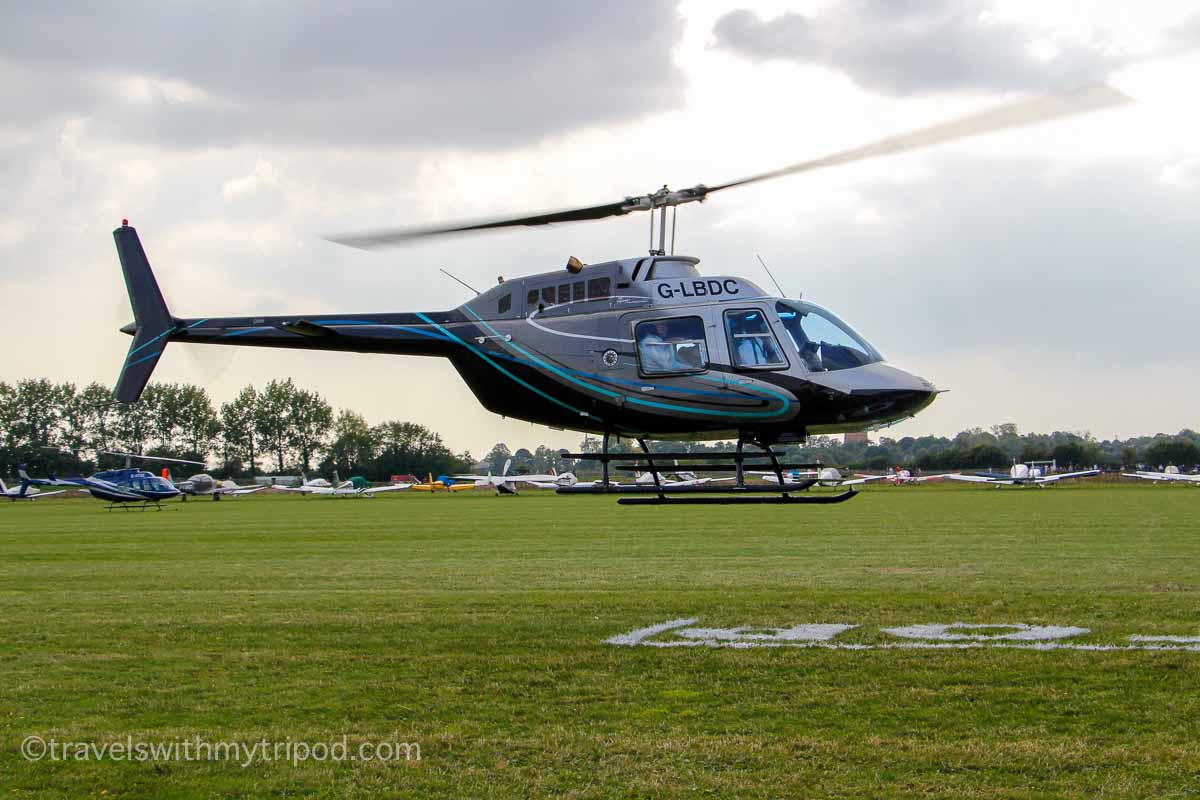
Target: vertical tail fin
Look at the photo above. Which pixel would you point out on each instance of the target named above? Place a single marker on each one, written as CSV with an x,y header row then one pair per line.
x,y
153,323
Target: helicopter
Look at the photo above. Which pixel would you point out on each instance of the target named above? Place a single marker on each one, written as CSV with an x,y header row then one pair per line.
x,y
121,488
639,348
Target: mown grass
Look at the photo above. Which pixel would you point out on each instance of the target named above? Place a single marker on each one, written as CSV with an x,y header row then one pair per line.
x,y
475,626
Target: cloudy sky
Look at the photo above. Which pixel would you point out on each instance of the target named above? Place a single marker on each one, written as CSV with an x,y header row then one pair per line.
x,y
1045,276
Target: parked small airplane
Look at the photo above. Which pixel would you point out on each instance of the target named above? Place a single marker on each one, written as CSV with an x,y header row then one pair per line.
x,y
507,484
903,477
355,487
1169,475
444,483
206,485
25,492
826,476
306,485
680,478
1020,475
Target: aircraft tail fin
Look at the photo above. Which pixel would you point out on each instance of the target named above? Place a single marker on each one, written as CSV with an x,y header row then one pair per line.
x,y
153,323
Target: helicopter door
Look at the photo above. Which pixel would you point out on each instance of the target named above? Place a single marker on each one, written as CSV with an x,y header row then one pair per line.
x,y
671,345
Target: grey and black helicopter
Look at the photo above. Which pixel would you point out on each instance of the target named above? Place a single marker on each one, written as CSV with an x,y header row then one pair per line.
x,y
640,348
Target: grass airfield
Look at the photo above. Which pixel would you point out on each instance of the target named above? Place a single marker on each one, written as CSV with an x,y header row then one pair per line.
x,y
475,626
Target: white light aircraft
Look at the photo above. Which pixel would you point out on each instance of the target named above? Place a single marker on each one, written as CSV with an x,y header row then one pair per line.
x,y
1020,475
507,484
826,476
204,485
1169,475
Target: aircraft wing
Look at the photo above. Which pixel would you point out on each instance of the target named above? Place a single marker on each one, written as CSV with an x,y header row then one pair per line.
x,y
1053,478
241,490
958,476
861,479
392,487
923,478
1163,476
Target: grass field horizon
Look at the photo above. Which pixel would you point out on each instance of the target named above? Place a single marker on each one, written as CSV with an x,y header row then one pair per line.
x,y
476,626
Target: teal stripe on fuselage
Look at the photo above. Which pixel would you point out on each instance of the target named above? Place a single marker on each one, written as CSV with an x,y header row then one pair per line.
x,y
524,383
633,398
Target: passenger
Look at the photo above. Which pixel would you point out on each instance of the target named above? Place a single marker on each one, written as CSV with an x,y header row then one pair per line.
x,y
658,354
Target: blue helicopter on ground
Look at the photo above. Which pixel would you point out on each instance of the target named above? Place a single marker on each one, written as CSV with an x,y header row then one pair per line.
x,y
126,488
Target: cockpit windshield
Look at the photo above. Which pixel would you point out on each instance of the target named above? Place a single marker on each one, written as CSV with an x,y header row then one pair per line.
x,y
822,340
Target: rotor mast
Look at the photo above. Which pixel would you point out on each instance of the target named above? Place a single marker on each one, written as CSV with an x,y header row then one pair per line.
x,y
660,201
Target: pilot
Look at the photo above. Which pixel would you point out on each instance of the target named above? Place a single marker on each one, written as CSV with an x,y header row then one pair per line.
x,y
657,352
753,349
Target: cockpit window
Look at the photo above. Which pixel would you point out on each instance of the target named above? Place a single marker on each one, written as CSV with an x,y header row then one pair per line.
x,y
824,342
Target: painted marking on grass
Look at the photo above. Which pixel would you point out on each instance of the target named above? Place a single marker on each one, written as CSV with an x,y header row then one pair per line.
x,y
949,636
636,637
1017,632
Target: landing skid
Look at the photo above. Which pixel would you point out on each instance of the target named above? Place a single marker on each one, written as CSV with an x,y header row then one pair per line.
x,y
782,499
145,504
704,494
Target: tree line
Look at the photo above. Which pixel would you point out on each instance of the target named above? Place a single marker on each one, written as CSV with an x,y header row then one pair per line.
x,y
283,428
975,448
280,428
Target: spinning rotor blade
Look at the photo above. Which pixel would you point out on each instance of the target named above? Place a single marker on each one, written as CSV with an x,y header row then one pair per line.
x,y
373,239
1014,115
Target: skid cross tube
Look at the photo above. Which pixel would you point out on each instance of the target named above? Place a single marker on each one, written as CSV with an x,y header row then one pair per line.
x,y
702,494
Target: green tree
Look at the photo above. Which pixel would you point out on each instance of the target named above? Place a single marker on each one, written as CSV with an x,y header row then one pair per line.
x,y
271,419
238,418
353,446
1177,452
99,412
308,421
497,456
199,426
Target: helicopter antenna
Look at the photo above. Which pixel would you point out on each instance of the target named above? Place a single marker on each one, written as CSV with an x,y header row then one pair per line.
x,y
459,280
772,277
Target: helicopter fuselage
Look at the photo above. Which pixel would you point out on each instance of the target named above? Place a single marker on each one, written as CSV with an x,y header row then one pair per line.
x,y
638,347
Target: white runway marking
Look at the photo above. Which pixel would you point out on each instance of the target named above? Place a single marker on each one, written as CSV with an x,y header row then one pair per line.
x,y
949,636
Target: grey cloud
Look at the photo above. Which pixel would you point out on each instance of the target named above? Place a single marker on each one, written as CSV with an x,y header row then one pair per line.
x,y
902,47
458,72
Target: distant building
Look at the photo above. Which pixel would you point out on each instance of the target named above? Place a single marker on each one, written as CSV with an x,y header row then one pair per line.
x,y
404,479
856,438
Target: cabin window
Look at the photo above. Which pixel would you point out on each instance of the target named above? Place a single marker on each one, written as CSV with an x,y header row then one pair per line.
x,y
672,346
548,296
531,298
824,342
578,291
598,288
505,304
750,340
564,293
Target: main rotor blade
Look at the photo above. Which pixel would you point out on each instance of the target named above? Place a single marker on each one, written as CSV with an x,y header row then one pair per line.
x,y
1014,115
383,238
